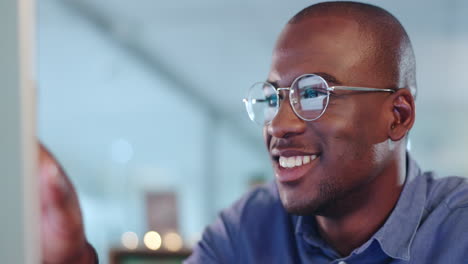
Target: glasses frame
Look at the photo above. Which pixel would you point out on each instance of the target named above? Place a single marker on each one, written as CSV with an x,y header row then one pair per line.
x,y
291,91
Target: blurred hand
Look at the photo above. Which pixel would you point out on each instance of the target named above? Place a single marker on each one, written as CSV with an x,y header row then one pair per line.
x,y
63,238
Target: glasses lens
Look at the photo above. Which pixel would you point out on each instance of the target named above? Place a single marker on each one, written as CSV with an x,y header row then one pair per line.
x,y
309,96
262,103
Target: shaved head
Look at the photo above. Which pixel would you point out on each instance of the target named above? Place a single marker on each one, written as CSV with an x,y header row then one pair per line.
x,y
393,50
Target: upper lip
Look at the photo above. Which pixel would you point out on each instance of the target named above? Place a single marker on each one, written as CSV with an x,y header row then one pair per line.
x,y
277,152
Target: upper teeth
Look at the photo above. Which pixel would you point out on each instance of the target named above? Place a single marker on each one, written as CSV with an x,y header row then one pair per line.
x,y
294,161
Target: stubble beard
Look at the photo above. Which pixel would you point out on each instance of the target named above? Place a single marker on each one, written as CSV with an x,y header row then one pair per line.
x,y
311,204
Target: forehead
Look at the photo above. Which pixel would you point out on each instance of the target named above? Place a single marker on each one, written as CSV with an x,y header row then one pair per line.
x,y
334,45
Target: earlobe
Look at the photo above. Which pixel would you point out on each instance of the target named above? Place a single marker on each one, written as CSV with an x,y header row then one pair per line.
x,y
403,114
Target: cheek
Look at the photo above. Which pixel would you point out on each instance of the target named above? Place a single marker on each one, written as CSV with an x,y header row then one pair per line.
x,y
349,134
352,144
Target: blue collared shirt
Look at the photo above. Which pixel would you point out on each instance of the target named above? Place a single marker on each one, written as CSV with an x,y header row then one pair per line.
x,y
428,225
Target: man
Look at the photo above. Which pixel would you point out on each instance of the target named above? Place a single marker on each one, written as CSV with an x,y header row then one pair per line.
x,y
336,111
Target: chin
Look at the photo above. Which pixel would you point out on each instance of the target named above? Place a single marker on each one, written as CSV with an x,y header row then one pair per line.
x,y
300,209
299,205
306,203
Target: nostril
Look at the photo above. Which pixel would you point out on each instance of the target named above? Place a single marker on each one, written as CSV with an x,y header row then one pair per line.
x,y
290,134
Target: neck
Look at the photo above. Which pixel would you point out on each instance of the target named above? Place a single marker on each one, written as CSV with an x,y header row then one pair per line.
x,y
367,209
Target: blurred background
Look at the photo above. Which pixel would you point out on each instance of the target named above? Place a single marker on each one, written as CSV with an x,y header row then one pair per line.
x,y
141,103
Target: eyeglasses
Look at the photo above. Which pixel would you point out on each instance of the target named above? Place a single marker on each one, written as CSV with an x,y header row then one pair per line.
x,y
309,95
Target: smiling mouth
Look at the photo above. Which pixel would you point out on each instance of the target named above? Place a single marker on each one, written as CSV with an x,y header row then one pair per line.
x,y
295,161
292,166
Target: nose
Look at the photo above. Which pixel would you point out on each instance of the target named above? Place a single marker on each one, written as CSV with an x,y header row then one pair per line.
x,y
286,123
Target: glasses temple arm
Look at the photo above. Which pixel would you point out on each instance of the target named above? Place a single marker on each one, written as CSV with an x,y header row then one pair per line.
x,y
363,89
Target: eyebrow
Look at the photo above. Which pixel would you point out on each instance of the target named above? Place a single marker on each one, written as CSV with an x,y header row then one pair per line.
x,y
327,77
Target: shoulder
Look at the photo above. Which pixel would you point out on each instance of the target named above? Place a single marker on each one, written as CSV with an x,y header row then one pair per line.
x,y
264,195
442,233
261,202
258,223
451,192
446,210
241,230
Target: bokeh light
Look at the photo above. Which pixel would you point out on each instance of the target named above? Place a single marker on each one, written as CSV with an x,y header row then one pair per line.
x,y
130,240
172,241
152,240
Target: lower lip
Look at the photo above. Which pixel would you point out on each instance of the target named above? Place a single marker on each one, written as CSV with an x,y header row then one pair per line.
x,y
287,175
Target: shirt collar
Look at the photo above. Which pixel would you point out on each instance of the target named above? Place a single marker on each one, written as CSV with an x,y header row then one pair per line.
x,y
396,235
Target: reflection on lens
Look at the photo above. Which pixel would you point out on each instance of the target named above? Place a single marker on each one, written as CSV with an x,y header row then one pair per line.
x,y
262,103
310,96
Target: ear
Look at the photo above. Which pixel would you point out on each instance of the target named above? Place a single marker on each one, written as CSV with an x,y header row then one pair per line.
x,y
404,114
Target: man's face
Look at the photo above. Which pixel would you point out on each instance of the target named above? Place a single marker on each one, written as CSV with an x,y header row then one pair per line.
x,y
350,139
